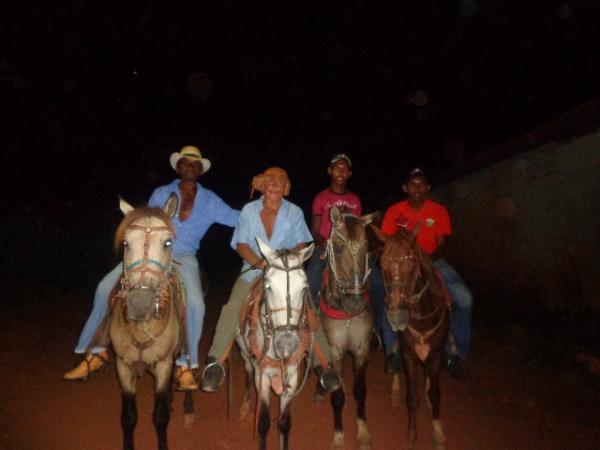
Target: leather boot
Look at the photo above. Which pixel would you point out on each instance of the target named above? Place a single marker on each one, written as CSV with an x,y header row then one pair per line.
x,y
90,363
212,375
184,379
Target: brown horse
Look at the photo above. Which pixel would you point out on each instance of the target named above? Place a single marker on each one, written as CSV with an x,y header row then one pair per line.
x,y
346,315
417,308
144,324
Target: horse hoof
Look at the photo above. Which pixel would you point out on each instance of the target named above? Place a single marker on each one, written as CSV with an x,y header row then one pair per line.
x,y
338,441
244,411
319,397
188,420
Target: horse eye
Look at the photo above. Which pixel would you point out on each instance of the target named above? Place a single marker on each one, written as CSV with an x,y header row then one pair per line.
x,y
124,243
168,243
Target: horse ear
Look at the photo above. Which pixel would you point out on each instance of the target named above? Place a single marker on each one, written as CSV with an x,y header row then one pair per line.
x,y
265,249
378,233
335,215
171,205
125,207
306,252
367,219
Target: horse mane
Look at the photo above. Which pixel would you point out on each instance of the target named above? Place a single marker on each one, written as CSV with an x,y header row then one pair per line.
x,y
353,226
138,213
393,245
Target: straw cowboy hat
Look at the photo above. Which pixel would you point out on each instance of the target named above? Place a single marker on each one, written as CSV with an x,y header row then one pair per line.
x,y
189,152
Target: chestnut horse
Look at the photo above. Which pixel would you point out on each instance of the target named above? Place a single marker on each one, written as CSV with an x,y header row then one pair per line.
x,y
346,314
417,308
144,324
276,336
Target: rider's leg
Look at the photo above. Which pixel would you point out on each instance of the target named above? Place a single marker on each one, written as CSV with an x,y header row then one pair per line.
x,y
225,332
90,363
314,273
460,316
194,312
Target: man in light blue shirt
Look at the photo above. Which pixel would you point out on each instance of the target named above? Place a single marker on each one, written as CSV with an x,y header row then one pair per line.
x,y
199,208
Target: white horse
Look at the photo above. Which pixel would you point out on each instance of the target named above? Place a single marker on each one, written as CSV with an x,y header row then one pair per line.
x,y
276,337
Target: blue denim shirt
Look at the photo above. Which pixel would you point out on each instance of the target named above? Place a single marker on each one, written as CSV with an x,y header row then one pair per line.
x,y
290,230
208,209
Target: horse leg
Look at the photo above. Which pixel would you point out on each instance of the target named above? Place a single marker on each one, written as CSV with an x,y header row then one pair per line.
x,y
412,396
162,413
395,395
264,417
433,367
285,418
188,409
360,394
248,388
338,399
127,380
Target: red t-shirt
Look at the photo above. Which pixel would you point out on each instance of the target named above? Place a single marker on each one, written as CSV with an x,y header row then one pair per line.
x,y
348,202
433,220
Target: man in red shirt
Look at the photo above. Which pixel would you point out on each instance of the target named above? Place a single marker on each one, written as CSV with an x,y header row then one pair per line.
x,y
434,226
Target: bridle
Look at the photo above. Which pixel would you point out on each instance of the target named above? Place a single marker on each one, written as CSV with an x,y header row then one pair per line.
x,y
396,281
288,330
355,286
143,266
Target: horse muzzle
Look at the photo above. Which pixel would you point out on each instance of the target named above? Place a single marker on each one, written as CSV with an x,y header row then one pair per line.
x,y
142,304
353,303
285,342
398,318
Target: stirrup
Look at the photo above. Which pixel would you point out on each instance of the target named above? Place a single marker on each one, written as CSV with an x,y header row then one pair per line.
x,y
329,379
212,378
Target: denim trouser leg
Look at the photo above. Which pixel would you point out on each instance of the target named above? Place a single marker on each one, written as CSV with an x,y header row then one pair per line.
x,y
380,323
99,310
194,307
314,272
460,317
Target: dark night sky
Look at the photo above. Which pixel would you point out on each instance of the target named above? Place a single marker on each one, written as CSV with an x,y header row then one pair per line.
x,y
96,95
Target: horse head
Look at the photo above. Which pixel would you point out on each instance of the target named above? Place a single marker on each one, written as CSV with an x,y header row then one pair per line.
x,y
348,261
402,264
146,235
286,288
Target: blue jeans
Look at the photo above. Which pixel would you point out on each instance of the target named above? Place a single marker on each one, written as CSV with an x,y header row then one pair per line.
x,y
460,316
314,273
380,322
188,269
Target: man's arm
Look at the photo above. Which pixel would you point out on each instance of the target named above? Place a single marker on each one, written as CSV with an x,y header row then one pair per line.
x,y
250,257
314,229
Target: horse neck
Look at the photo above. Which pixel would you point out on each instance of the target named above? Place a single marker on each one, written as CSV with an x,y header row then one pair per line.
x,y
427,310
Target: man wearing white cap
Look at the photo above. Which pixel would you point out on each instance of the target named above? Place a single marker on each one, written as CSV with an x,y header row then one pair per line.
x,y
199,208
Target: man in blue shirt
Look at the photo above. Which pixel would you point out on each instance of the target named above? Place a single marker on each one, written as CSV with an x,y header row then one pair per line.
x,y
199,208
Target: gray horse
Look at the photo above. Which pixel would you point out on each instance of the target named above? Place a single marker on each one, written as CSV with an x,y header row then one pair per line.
x,y
346,315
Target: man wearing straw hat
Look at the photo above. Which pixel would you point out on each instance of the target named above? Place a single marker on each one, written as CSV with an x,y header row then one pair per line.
x,y
199,208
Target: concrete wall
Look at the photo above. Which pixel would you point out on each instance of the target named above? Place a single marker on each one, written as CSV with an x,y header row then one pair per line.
x,y
528,229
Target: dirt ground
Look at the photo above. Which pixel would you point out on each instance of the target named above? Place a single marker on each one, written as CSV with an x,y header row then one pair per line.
x,y
508,402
